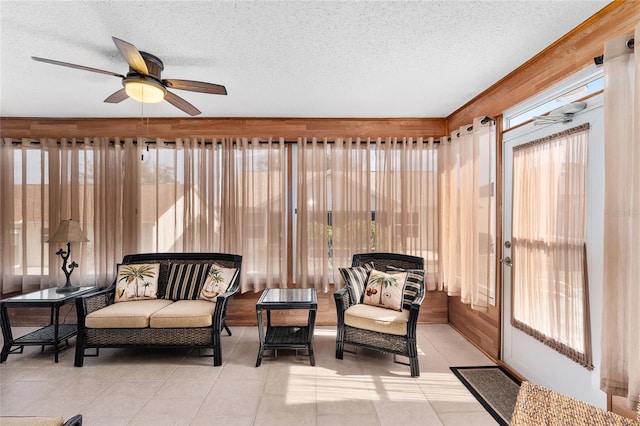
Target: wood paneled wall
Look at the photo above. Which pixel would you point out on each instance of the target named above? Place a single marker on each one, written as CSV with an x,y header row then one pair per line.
x,y
263,128
242,310
567,56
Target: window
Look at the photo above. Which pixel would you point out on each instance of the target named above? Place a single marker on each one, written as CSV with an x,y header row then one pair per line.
x,y
549,283
580,86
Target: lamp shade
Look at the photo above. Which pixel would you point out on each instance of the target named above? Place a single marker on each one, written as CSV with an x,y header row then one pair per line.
x,y
68,231
146,91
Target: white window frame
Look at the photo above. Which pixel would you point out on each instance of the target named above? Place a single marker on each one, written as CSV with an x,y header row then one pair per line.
x,y
572,83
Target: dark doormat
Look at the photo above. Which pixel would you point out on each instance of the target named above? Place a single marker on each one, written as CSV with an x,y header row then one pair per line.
x,y
493,387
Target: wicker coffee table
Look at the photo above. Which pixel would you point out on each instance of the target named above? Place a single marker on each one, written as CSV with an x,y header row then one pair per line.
x,y
286,337
51,335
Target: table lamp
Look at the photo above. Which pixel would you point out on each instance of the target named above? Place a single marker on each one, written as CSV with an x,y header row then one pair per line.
x,y
68,231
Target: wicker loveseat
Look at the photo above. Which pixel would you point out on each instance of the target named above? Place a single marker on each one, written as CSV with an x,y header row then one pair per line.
x,y
376,327
163,319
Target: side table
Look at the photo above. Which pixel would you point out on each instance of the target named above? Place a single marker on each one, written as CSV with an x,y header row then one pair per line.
x,y
50,335
286,337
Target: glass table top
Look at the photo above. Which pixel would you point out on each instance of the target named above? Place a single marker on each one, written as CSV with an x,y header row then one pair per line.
x,y
48,295
284,295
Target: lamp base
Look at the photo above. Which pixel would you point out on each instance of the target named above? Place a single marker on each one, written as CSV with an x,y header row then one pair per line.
x,y
67,289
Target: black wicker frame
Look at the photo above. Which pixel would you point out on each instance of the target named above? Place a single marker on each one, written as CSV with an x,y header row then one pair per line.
x,y
388,343
196,337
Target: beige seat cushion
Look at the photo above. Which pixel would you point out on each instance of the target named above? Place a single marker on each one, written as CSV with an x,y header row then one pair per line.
x,y
31,421
184,313
377,319
134,314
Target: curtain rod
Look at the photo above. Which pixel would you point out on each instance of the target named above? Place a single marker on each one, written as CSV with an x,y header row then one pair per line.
x,y
169,142
484,120
599,60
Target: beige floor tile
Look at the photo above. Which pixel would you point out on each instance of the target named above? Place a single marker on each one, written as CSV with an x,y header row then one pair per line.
x,y
167,411
54,405
227,404
239,388
367,419
460,418
131,389
405,413
205,420
136,373
176,386
270,414
347,407
105,420
10,374
82,387
118,407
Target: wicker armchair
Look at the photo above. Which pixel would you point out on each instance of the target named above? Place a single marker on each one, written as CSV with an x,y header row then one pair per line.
x,y
388,342
537,405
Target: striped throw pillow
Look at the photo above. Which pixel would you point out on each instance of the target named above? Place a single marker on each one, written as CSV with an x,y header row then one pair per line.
x,y
413,286
355,279
185,280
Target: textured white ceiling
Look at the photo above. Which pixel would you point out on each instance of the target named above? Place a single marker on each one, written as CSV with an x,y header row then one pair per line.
x,y
276,58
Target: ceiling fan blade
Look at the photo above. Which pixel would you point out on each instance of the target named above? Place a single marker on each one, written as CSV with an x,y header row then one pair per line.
x,y
132,55
196,86
118,96
80,67
180,103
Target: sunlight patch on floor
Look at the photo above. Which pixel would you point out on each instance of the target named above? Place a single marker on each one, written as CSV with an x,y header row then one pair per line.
x,y
444,387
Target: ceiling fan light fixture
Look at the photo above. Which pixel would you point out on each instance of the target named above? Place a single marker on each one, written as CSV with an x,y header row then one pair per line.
x,y
144,90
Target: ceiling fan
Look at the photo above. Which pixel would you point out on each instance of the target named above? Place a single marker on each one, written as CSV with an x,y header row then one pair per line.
x,y
143,81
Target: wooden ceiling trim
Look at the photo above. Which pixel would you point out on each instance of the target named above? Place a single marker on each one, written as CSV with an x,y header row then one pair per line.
x,y
171,128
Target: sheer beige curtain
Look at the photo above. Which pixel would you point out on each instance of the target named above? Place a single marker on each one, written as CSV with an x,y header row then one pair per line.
x,y
24,253
312,219
177,196
112,222
358,196
142,196
620,371
350,189
549,290
467,213
46,181
256,221
449,214
225,195
405,200
333,209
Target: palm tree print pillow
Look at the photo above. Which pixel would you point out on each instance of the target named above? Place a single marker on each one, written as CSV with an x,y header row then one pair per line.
x,y
137,281
217,282
385,290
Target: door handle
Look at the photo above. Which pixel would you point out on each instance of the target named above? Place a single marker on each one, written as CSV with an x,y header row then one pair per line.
x,y
506,261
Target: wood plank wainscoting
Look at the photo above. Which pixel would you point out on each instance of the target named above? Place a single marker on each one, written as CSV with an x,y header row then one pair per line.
x,y
241,312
